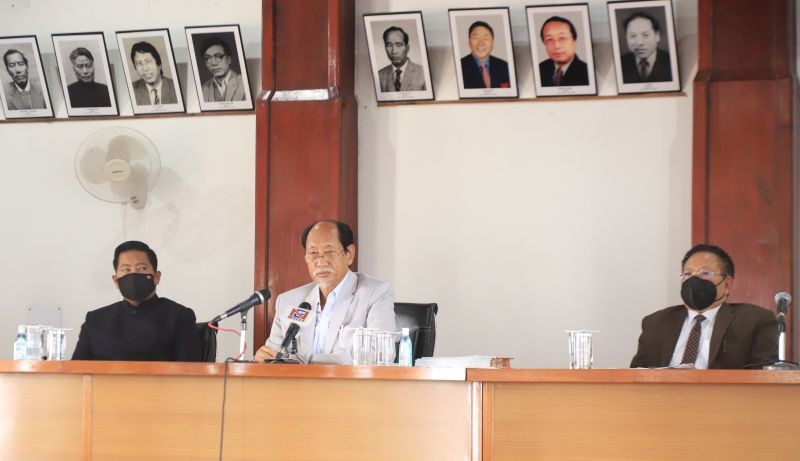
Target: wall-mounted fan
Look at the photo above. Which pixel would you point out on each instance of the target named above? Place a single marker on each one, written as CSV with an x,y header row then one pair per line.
x,y
118,165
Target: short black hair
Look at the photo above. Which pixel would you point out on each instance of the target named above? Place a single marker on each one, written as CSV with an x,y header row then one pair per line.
x,y
480,24
145,47
345,232
80,51
135,245
727,261
211,41
559,19
12,51
395,29
641,15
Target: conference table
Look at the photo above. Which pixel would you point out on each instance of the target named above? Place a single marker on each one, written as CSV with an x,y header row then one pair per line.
x,y
97,411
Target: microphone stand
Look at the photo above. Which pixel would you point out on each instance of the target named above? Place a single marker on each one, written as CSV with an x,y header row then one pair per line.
x,y
243,336
291,356
781,364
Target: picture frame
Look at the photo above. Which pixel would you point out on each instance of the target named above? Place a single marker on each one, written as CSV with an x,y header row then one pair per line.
x,y
561,49
643,42
85,74
220,67
482,40
22,64
401,36
149,64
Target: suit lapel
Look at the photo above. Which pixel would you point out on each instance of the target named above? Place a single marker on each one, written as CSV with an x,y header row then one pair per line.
x,y
233,84
672,332
341,308
721,323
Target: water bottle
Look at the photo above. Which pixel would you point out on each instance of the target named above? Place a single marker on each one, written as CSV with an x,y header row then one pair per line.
x,y
405,357
21,344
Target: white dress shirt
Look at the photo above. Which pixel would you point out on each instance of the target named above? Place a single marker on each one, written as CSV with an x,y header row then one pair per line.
x,y
706,328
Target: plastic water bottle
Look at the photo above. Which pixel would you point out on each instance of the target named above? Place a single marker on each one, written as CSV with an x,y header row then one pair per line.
x,y
405,356
21,344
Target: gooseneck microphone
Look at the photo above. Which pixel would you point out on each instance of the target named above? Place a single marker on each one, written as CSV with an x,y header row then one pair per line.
x,y
298,317
782,300
259,297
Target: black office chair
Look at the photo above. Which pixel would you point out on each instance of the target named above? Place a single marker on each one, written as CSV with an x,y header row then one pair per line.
x,y
420,319
208,341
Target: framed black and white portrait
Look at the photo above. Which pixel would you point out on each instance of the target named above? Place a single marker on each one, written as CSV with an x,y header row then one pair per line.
x,y
150,71
643,39
484,54
561,50
85,74
24,88
220,71
398,55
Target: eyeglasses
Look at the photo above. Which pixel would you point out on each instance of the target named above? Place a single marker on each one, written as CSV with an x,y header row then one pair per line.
x,y
214,57
328,255
706,275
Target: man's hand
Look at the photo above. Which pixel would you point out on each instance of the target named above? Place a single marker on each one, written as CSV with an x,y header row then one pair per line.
x,y
264,353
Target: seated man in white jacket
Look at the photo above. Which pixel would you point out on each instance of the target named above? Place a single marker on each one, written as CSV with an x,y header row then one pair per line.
x,y
340,299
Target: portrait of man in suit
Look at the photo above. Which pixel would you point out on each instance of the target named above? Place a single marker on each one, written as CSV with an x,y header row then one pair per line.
x,y
21,93
152,87
401,74
85,92
563,66
479,69
225,83
645,61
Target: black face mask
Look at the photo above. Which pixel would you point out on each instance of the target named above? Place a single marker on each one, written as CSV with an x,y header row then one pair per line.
x,y
699,293
136,287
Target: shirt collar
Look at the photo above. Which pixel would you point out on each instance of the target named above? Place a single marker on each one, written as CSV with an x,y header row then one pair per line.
x,y
225,79
334,295
27,88
478,61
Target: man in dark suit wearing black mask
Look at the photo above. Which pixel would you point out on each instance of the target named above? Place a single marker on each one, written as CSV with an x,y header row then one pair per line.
x,y
707,331
142,326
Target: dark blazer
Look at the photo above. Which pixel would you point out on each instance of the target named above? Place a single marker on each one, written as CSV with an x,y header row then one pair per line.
x,y
662,71
159,329
88,94
743,334
577,73
498,73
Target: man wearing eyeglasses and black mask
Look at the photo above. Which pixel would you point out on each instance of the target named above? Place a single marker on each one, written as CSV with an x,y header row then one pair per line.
x,y
341,300
707,331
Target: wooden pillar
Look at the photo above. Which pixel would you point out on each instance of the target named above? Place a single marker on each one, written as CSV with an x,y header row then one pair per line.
x,y
306,145
744,188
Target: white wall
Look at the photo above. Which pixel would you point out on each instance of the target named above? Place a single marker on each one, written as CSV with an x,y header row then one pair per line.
x,y
58,240
520,219
525,219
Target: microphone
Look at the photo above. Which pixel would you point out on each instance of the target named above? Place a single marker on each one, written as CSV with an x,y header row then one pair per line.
x,y
299,317
783,299
259,297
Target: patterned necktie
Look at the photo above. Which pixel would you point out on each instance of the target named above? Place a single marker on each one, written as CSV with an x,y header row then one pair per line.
x,y
487,80
693,344
559,76
156,101
644,69
397,83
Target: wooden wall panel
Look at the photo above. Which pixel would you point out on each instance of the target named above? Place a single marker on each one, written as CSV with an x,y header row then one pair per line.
x,y
744,97
308,158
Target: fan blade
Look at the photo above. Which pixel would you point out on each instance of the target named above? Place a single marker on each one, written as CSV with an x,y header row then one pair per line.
x,y
126,147
91,165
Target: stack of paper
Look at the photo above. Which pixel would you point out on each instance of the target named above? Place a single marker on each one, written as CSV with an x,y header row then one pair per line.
x,y
470,361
